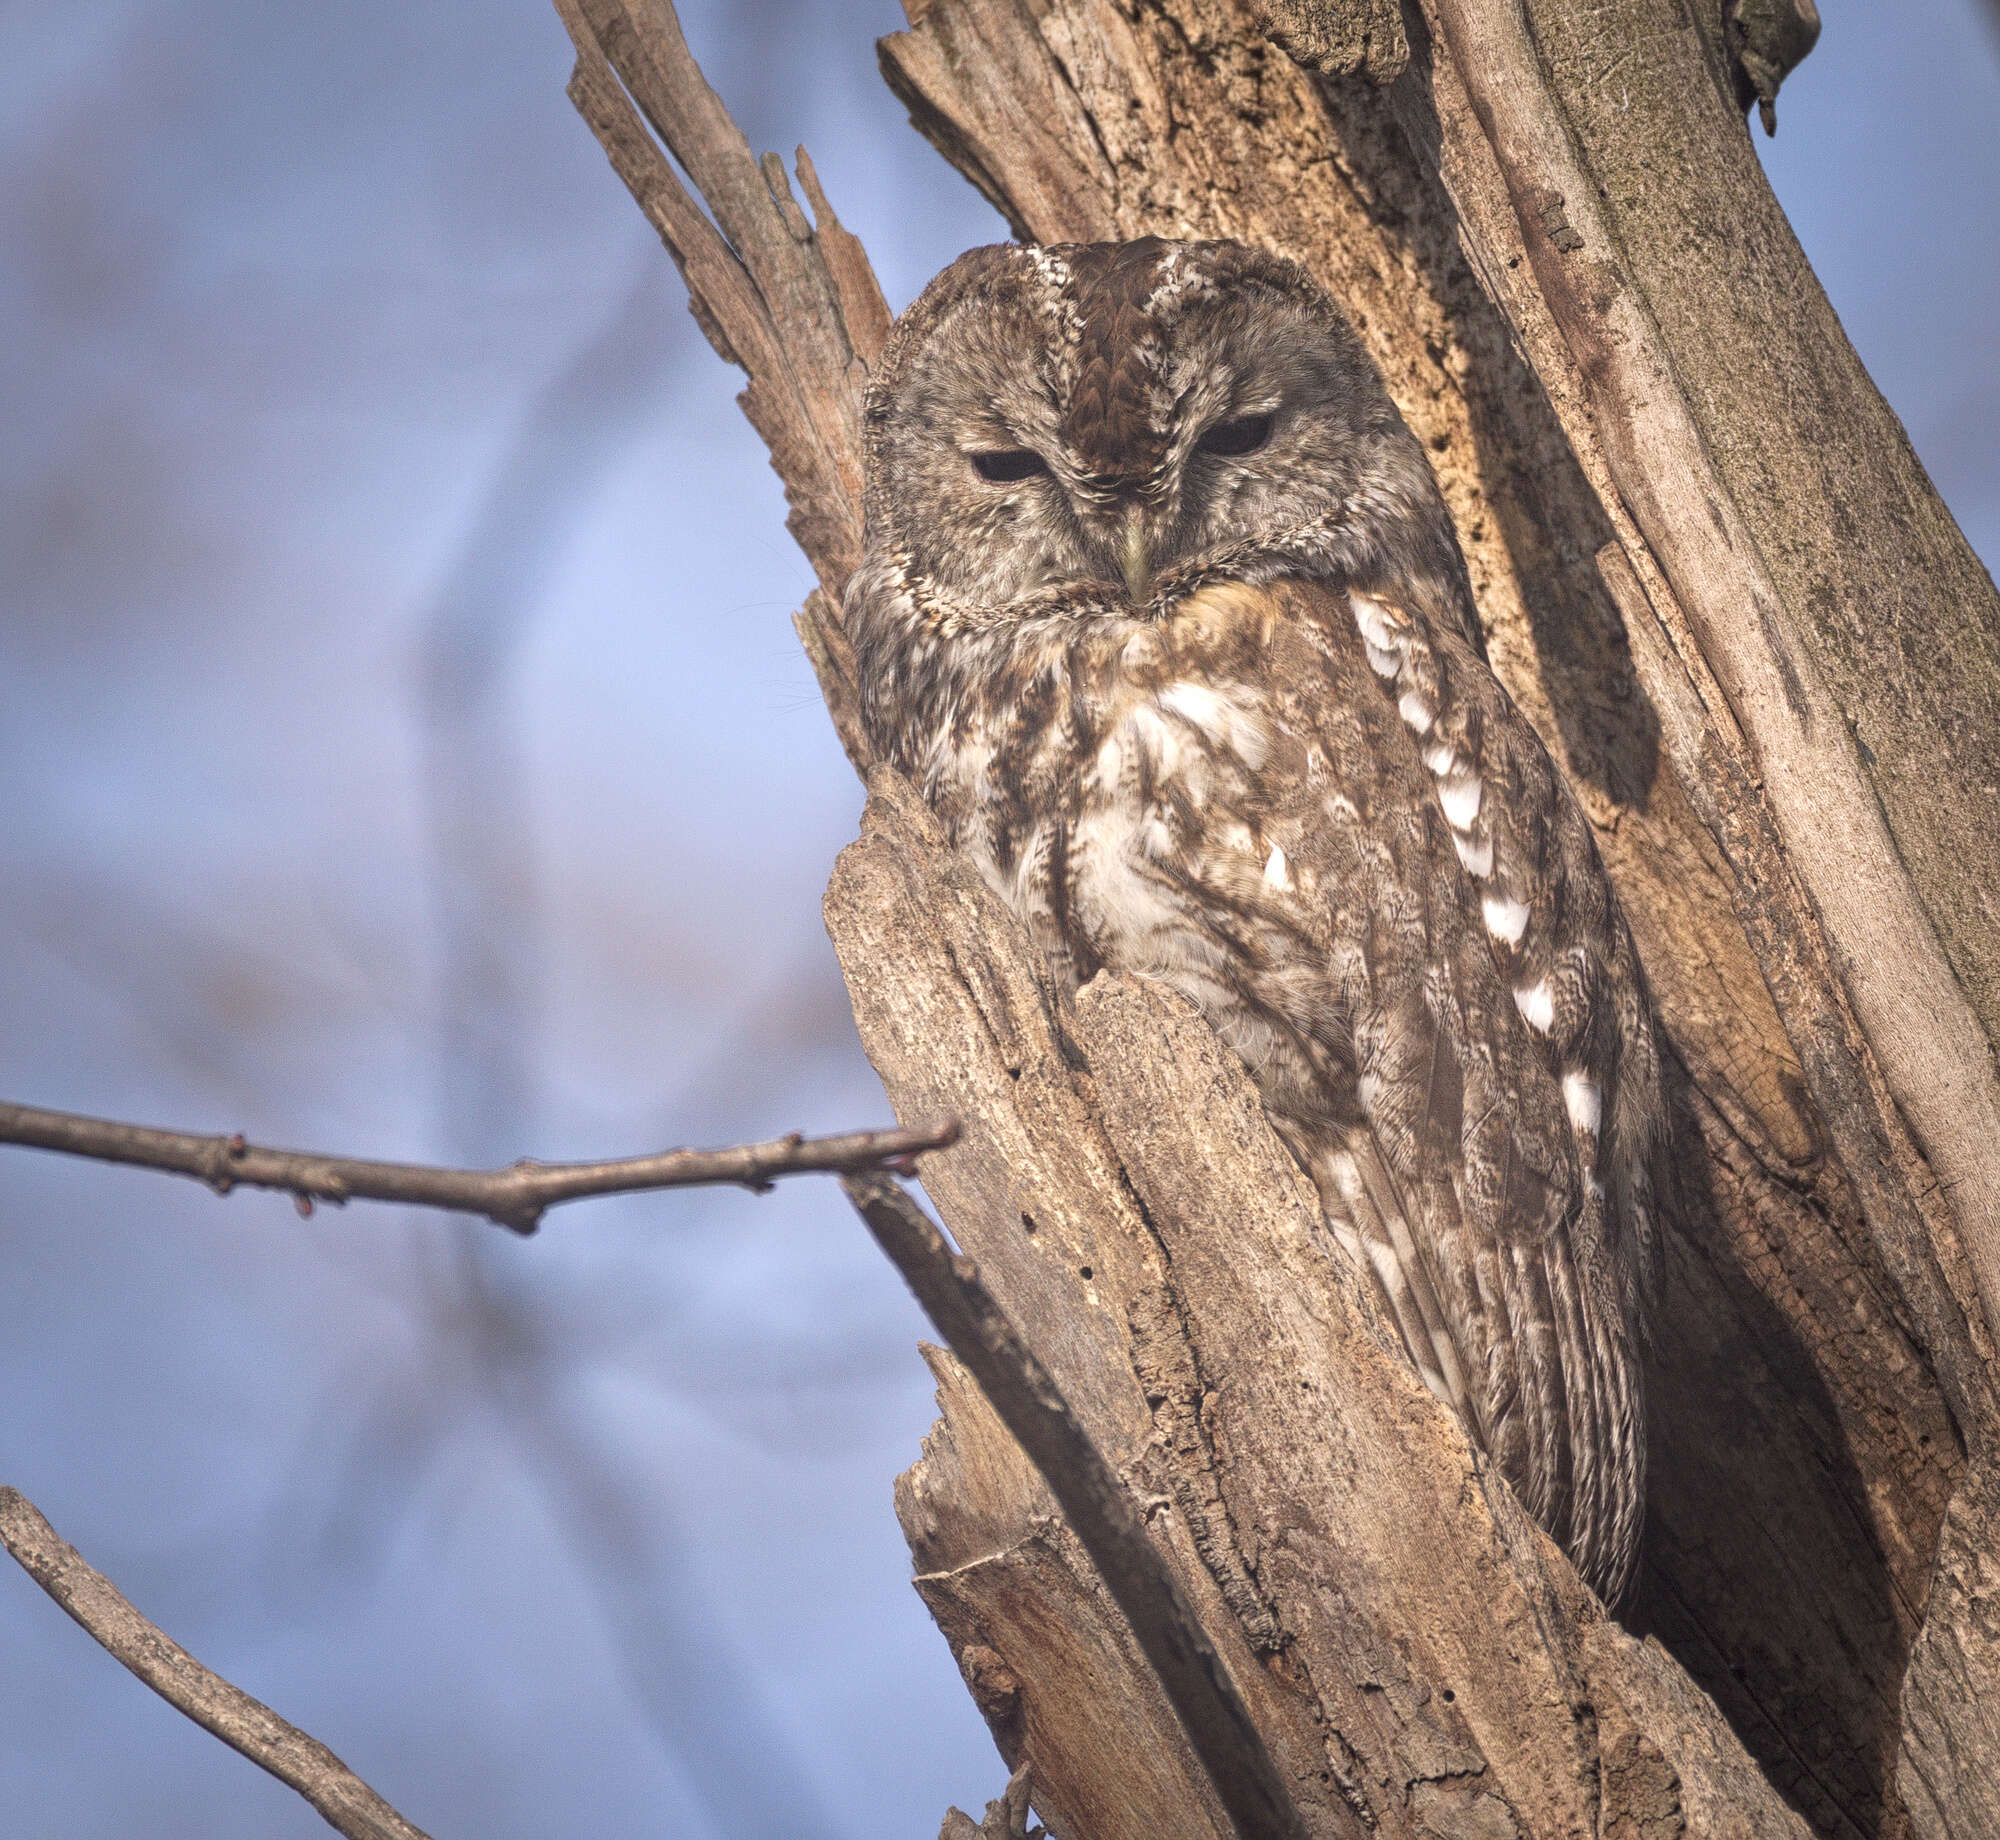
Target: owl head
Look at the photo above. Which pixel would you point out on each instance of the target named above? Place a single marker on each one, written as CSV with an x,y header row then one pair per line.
x,y
1113,418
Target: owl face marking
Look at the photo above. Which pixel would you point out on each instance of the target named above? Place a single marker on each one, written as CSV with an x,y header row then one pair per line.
x,y
1112,414
1378,636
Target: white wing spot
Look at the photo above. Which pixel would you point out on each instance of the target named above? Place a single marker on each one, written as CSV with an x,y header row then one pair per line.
x,y
1368,1089
1581,1096
1415,711
1537,1005
1278,872
1379,636
1460,796
1477,856
1440,758
1506,918
1375,625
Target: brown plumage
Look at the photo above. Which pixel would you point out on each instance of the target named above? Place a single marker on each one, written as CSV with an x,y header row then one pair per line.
x,y
1108,421
1163,612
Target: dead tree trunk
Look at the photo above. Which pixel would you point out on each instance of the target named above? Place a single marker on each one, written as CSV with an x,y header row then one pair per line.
x,y
1717,580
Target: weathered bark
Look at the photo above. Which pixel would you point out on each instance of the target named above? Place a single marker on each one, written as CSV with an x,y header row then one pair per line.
x,y
1714,577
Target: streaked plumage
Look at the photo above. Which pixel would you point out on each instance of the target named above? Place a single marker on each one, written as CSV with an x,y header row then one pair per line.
x,y
1163,612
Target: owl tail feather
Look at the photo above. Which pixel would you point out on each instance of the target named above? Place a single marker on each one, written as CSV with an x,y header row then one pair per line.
x,y
1559,1424
1369,1220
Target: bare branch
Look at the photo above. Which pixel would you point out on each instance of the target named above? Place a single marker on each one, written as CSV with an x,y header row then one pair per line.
x,y
1094,1501
244,1724
515,1197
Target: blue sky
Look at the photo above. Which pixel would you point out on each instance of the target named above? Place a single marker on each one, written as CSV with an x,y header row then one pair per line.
x,y
383,559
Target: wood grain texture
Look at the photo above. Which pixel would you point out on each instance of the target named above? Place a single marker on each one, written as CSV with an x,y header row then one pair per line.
x,y
1343,38
1879,590
1001,1575
1951,1725
1096,1506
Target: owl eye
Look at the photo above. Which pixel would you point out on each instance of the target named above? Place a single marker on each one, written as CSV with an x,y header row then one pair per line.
x,y
1007,466
1241,434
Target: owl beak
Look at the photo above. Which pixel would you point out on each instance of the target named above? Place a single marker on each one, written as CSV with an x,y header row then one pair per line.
x,y
1137,557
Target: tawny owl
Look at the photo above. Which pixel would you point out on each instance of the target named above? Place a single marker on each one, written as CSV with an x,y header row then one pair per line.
x,y
1162,609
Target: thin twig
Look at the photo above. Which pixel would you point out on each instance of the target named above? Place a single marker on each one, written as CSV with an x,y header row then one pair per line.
x,y
244,1724
1095,1502
515,1197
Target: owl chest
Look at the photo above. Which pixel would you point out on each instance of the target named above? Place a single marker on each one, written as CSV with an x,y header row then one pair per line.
x,y
1141,833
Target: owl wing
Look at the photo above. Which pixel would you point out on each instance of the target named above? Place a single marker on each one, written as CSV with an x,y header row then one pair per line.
x,y
1490,1157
